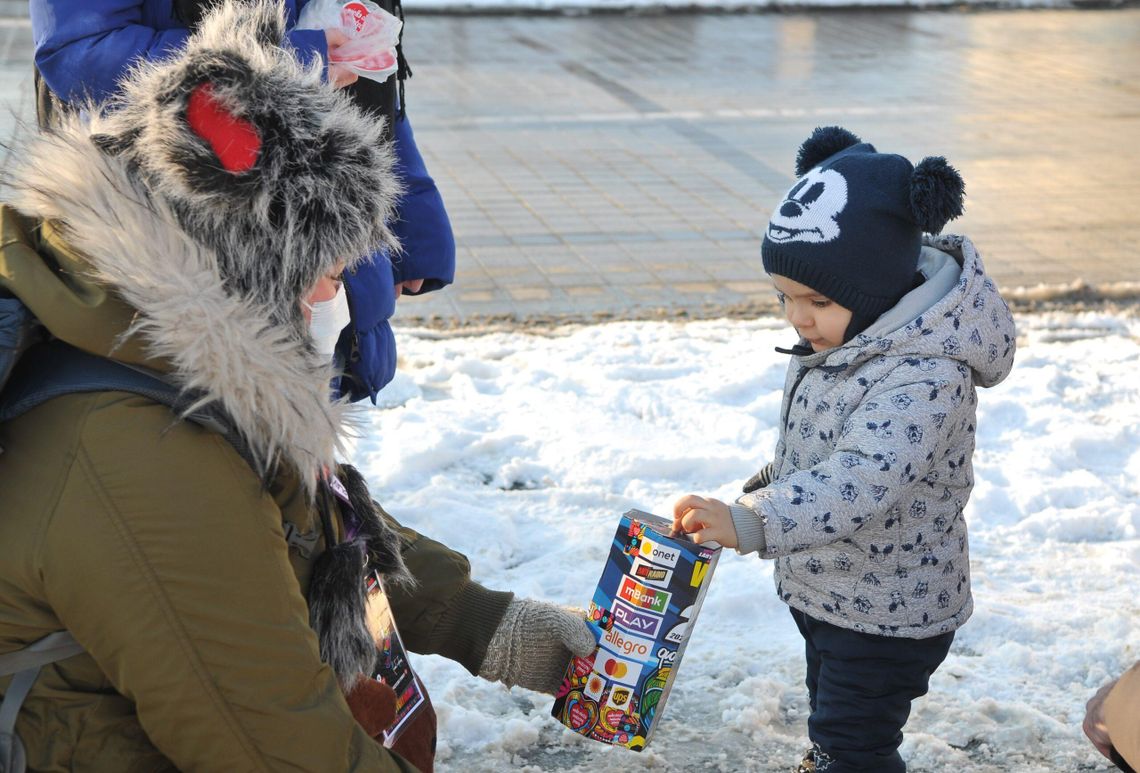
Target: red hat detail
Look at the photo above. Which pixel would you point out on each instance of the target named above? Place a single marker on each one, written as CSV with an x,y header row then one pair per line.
x,y
235,140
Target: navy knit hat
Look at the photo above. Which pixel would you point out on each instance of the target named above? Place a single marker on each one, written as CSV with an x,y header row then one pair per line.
x,y
851,227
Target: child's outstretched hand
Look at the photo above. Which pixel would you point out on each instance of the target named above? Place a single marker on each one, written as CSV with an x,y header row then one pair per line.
x,y
705,520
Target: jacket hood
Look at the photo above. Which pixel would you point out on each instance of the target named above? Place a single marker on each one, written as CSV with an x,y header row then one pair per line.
x,y
957,312
210,257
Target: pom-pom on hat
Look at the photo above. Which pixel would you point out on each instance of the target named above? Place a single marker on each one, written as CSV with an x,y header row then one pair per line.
x,y
851,227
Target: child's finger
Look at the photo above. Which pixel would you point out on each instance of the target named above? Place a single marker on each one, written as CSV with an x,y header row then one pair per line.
x,y
685,503
718,534
704,535
694,520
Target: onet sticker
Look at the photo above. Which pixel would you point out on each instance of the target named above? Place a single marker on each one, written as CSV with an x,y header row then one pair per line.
x,y
658,554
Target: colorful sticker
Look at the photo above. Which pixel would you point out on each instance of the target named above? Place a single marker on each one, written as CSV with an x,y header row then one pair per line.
x,y
617,669
651,573
628,646
642,596
636,621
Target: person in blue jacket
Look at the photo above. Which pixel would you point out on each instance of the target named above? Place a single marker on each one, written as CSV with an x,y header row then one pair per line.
x,y
83,48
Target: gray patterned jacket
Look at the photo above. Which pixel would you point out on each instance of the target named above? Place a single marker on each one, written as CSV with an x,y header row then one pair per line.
x,y
863,513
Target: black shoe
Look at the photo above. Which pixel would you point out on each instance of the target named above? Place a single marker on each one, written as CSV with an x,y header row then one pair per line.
x,y
815,760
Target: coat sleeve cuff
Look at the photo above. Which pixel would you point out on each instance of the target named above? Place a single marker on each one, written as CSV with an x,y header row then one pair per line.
x,y
749,527
469,624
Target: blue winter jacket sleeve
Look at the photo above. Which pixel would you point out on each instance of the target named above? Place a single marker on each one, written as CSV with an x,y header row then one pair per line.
x,y
422,224
368,348
82,47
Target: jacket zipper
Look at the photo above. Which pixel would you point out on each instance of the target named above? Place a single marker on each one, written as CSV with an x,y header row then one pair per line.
x,y
792,395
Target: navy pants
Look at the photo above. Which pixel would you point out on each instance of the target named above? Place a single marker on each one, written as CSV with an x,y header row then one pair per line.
x,y
861,687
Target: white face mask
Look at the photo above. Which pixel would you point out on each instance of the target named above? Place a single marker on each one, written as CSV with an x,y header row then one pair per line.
x,y
328,319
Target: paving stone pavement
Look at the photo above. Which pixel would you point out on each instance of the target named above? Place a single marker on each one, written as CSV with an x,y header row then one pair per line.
x,y
613,164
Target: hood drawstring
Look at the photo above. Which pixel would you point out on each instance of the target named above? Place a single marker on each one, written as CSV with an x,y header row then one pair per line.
x,y
799,350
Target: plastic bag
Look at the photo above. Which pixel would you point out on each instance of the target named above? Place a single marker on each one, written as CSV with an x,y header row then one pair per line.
x,y
372,32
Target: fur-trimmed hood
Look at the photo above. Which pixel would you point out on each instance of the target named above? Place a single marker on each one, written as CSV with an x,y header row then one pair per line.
x,y
215,254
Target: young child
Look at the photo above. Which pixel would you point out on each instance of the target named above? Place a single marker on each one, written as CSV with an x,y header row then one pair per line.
x,y
861,508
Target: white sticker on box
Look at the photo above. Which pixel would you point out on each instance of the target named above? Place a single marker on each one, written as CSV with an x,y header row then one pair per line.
x,y
658,553
594,687
626,645
615,669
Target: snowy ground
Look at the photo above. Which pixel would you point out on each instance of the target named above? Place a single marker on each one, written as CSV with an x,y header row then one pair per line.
x,y
522,450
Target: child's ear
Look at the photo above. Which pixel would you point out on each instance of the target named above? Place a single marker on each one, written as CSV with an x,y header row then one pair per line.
x,y
823,143
937,193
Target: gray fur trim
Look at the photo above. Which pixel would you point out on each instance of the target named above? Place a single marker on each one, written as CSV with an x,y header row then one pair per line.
x,y
216,263
382,545
338,613
322,187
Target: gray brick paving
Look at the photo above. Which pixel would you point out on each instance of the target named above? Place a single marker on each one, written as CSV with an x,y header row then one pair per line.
x,y
616,164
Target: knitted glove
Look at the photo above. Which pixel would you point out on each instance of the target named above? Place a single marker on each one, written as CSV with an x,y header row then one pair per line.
x,y
534,643
759,480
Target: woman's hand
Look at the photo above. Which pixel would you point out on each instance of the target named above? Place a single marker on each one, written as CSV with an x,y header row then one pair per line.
x,y
704,520
339,74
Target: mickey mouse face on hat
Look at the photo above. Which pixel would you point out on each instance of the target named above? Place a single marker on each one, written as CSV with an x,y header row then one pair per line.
x,y
809,211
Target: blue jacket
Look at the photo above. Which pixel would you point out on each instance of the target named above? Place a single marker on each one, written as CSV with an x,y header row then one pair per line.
x,y
368,346
82,47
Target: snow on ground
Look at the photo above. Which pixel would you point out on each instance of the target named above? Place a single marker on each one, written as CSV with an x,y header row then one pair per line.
x,y
522,450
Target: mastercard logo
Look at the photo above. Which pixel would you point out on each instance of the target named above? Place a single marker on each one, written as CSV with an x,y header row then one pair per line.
x,y
615,669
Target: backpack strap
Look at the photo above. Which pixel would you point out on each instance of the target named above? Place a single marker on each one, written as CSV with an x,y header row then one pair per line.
x,y
43,372
54,368
26,665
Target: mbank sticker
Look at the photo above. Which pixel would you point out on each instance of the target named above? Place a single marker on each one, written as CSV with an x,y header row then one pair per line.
x,y
641,596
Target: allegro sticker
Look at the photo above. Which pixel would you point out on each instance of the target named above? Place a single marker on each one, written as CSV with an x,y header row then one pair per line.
x,y
629,646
